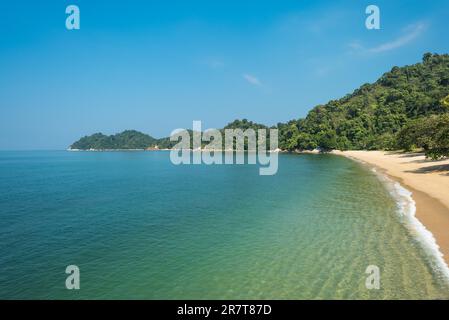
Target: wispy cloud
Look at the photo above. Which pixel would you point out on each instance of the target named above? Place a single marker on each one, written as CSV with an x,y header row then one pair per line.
x,y
409,34
252,79
321,71
214,63
355,46
312,21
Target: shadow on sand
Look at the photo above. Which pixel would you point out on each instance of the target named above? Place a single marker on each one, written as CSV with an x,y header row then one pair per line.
x,y
443,169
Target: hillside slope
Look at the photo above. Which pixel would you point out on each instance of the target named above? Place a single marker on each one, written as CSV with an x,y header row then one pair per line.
x,y
370,117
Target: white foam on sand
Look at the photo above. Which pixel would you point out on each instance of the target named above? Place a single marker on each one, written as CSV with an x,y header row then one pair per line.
x,y
407,210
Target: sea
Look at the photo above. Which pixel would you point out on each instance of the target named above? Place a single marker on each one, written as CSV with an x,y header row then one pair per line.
x,y
136,226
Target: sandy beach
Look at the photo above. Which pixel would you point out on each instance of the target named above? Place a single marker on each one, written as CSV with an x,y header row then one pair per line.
x,y
428,181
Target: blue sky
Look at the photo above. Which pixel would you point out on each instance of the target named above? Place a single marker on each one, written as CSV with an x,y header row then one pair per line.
x,y
155,66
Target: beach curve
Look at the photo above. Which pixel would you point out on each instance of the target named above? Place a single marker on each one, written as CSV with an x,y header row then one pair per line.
x,y
428,182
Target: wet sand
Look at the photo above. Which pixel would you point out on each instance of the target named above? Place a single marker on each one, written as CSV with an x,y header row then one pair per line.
x,y
428,181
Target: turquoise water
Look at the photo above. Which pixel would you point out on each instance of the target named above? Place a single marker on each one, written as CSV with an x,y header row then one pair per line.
x,y
139,227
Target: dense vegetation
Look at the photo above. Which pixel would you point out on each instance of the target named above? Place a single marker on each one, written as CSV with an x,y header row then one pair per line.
x,y
373,115
129,139
406,108
244,124
429,133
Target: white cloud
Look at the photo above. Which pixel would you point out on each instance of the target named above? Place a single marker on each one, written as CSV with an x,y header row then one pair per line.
x,y
322,71
410,33
355,46
252,79
214,63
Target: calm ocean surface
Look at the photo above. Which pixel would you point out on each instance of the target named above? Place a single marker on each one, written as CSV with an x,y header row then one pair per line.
x,y
139,227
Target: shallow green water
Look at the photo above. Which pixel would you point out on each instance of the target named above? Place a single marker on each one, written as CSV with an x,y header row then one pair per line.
x,y
139,227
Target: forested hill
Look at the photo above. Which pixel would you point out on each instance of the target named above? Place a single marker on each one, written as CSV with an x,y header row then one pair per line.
x,y
372,115
395,112
129,139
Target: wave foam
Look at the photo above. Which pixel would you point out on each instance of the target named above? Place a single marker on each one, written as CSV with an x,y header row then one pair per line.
x,y
407,209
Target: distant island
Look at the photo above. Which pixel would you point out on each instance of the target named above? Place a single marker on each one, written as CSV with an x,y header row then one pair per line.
x,y
407,108
126,140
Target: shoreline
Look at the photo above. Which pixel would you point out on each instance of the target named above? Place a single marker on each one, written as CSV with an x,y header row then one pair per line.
x,y
426,184
166,149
